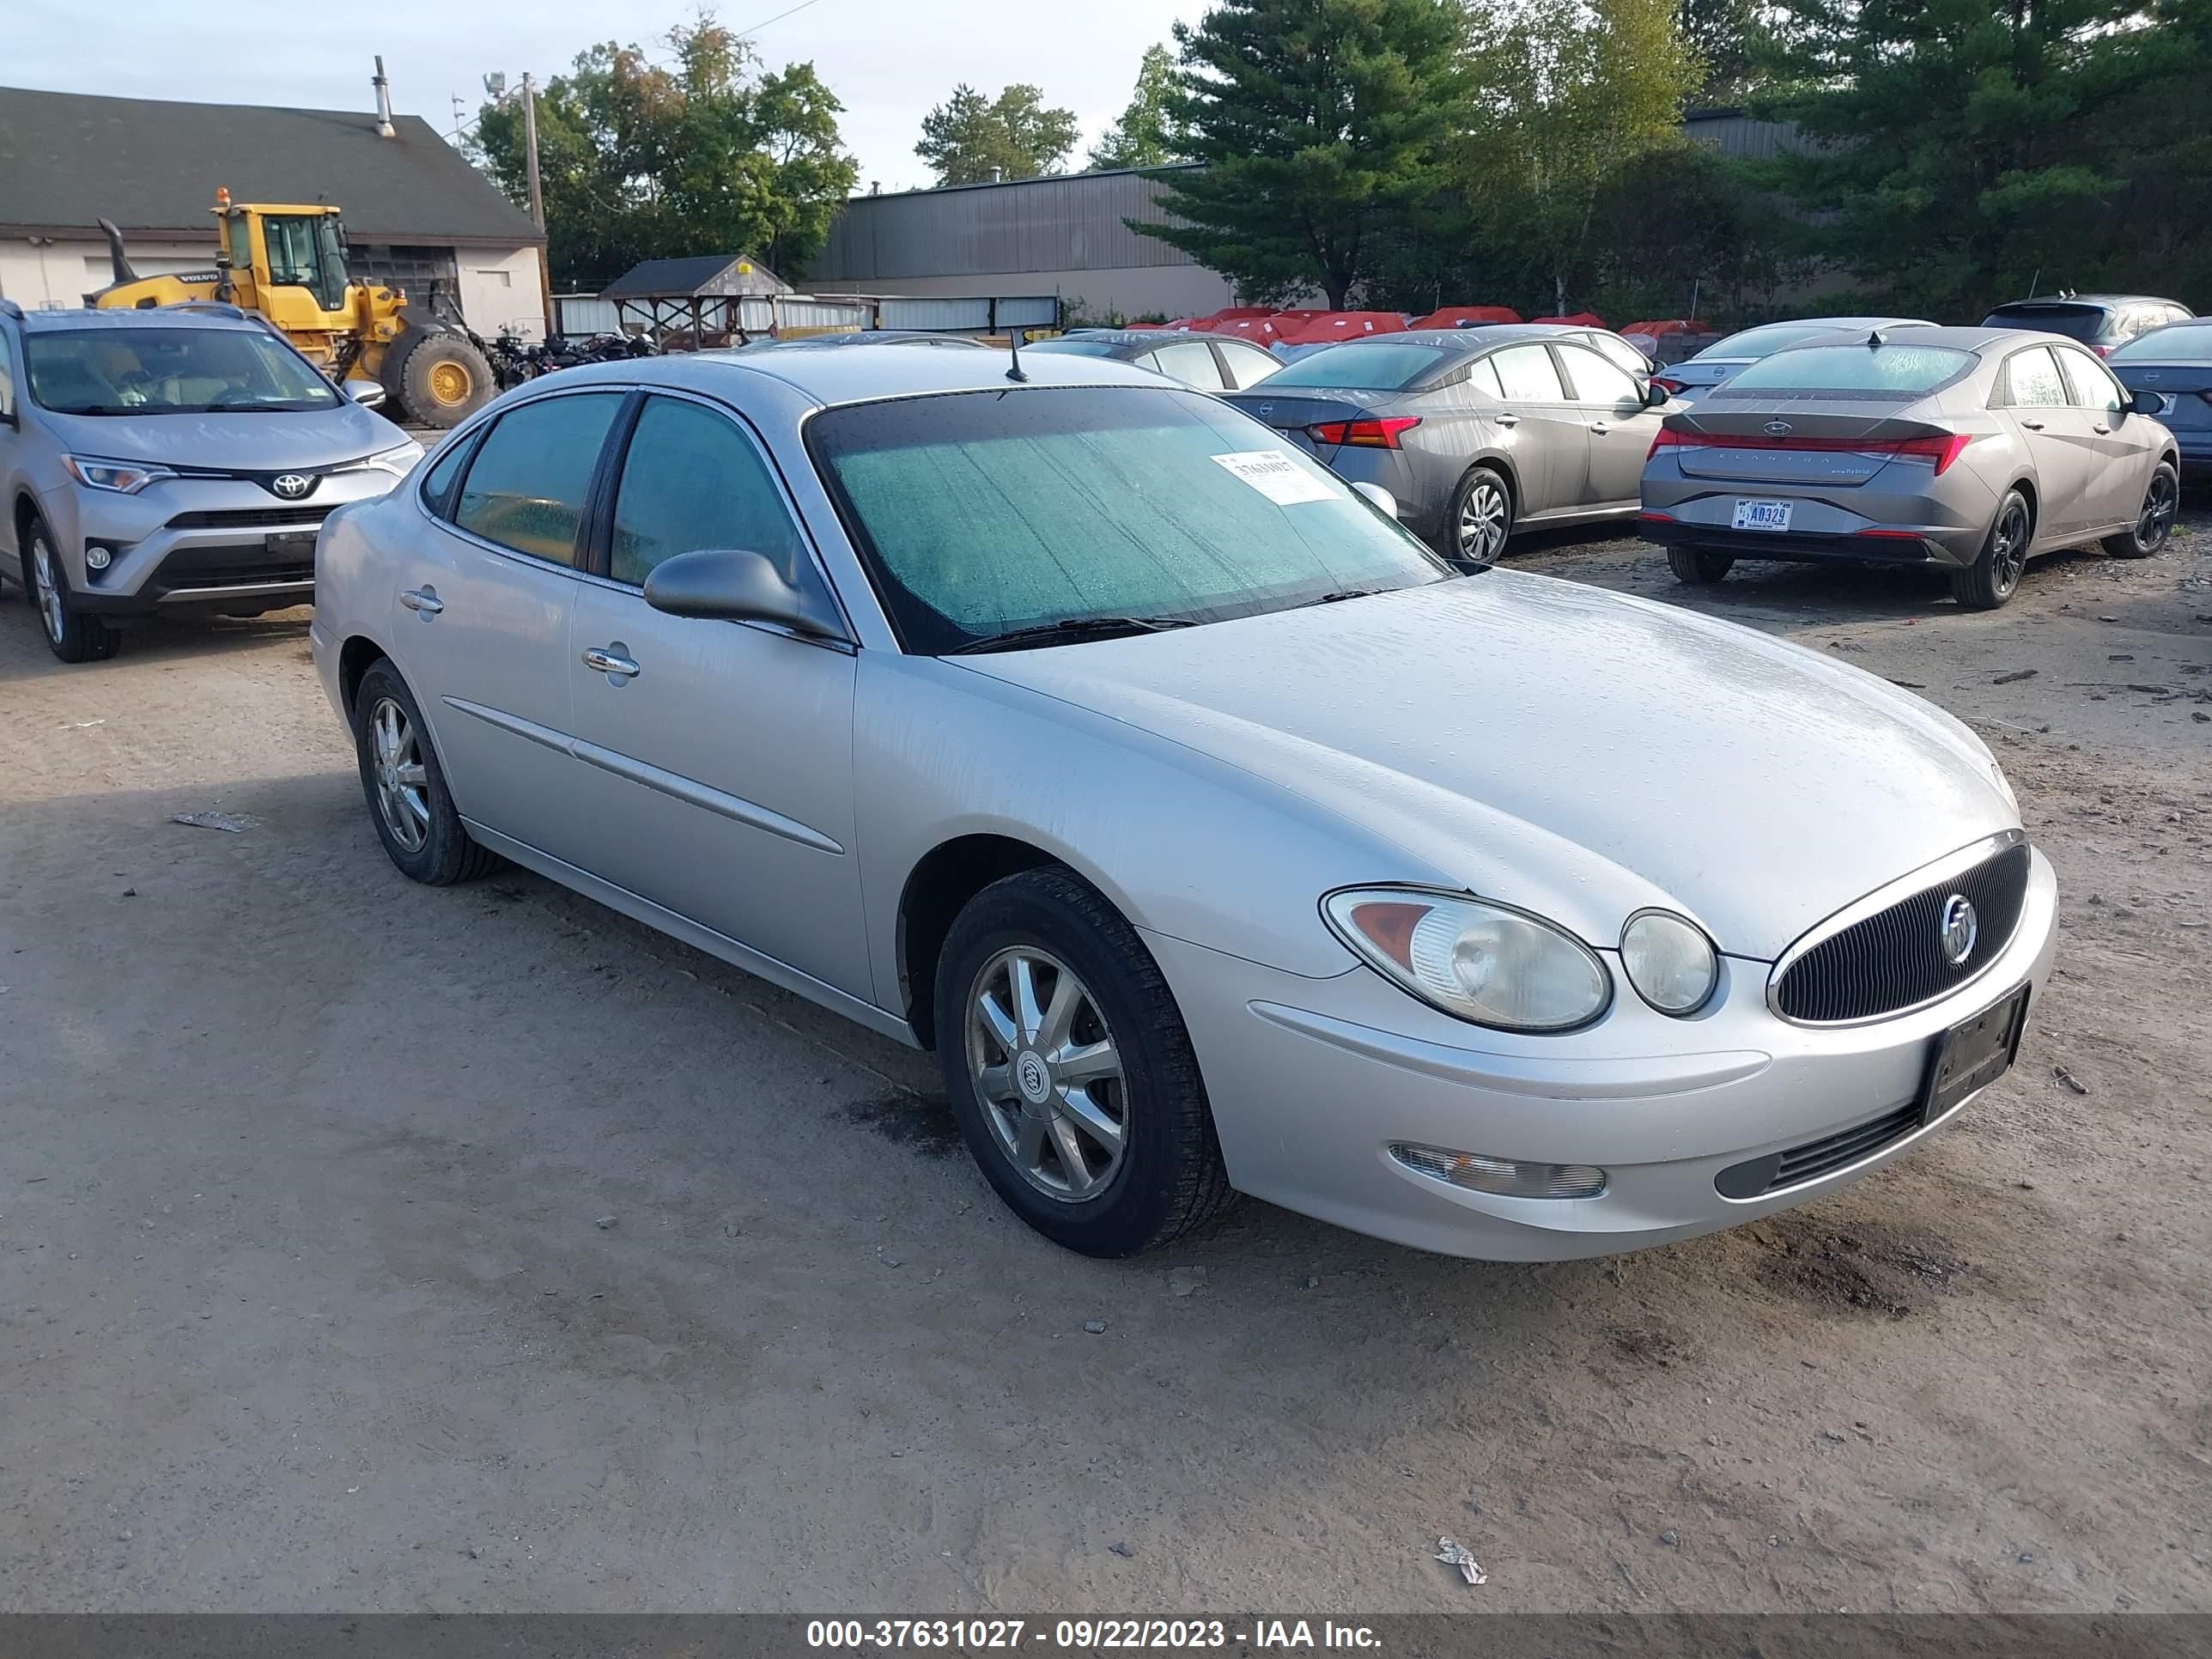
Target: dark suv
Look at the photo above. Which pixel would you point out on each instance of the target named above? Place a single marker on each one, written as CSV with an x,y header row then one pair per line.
x,y
2102,322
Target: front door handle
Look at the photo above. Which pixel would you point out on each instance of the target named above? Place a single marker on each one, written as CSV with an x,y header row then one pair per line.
x,y
1600,426
1509,420
2033,426
2103,431
423,599
609,660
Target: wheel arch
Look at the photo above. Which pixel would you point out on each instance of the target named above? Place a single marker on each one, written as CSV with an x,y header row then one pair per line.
x,y
937,889
356,657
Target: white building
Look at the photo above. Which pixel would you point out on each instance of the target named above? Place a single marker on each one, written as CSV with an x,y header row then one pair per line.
x,y
416,211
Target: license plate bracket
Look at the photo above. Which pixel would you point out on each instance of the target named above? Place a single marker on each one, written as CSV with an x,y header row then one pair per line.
x,y
1763,516
1972,1054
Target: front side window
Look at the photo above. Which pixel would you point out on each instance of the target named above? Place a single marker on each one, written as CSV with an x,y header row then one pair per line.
x,y
1621,353
525,488
1190,361
1853,371
1529,376
169,371
438,477
2089,386
2032,380
1597,381
982,512
691,480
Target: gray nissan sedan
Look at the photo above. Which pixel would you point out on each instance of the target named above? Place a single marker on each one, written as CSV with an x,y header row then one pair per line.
x,y
1078,728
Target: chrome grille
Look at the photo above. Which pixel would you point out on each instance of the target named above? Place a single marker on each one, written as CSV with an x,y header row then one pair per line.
x,y
1893,959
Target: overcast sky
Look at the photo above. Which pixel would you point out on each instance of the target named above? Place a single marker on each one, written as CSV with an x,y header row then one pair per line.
x,y
887,60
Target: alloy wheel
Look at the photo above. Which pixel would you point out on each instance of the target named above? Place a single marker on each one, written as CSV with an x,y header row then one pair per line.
x,y
46,589
2159,504
1481,528
2008,551
402,783
1048,1073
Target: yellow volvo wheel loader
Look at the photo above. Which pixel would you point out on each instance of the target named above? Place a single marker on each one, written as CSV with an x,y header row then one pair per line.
x,y
289,263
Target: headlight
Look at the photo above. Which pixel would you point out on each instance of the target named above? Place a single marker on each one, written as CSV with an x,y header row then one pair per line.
x,y
1672,965
1479,961
124,477
398,460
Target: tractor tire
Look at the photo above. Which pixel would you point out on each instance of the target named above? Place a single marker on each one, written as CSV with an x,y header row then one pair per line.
x,y
436,378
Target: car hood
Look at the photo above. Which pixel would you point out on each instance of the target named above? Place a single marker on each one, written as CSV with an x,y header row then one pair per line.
x,y
1577,752
277,441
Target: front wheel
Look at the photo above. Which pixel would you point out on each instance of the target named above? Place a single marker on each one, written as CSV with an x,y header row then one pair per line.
x,y
1991,579
72,635
2154,525
1697,566
1070,1070
408,800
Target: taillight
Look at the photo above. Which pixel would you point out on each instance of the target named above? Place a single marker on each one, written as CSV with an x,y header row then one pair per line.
x,y
1364,434
1672,388
2102,351
1942,448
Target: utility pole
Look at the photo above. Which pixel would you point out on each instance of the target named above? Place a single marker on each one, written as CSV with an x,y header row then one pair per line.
x,y
538,197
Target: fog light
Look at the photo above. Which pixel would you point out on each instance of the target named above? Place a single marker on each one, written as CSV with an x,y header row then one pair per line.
x,y
98,558
1508,1177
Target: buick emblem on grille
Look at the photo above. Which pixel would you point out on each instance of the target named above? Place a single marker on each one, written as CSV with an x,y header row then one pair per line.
x,y
291,486
1961,926
1779,428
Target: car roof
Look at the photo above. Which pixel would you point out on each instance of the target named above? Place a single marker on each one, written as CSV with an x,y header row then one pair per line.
x,y
860,374
1977,340
187,316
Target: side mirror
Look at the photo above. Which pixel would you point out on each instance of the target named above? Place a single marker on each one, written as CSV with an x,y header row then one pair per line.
x,y
368,393
1656,396
2152,403
1378,497
734,584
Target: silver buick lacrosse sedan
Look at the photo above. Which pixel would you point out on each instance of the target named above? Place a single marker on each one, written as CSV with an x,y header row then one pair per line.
x,y
1214,833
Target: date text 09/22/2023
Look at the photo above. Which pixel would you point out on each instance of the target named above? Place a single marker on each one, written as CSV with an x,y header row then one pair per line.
x,y
1086,1634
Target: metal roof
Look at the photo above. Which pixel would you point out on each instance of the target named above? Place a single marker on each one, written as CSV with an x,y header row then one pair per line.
x,y
705,276
151,165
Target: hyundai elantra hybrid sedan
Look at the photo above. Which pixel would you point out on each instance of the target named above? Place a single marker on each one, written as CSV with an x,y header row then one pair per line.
x,y
1073,725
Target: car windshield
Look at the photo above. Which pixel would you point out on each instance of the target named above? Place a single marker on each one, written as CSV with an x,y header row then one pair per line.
x,y
2185,343
982,512
1358,364
1888,371
1768,338
2075,322
168,371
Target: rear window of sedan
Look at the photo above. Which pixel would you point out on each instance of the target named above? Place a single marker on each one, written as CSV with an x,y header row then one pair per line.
x,y
1861,370
1766,340
981,513
2184,343
2075,322
1362,366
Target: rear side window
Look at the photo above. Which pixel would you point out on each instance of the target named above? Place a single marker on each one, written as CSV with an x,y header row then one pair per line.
x,y
525,488
1528,374
691,480
2075,322
1483,376
1853,371
2032,380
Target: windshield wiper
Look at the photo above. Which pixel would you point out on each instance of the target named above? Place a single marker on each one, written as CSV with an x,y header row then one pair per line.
x,y
1346,593
1068,631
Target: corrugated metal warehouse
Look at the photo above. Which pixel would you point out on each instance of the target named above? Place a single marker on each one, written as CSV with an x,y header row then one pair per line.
x,y
1066,235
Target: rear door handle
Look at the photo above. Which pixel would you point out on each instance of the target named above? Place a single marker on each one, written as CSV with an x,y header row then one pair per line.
x,y
609,660
2033,426
1600,426
2103,431
424,599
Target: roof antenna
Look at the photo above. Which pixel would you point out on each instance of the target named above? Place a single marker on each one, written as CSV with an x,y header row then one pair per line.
x,y
1014,344
1876,339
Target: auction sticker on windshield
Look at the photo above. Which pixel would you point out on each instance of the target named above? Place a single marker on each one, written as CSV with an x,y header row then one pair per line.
x,y
1275,475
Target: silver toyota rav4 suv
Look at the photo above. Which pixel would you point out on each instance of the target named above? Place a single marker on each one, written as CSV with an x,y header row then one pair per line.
x,y
168,461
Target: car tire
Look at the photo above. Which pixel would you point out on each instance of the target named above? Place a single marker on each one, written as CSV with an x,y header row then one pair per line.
x,y
73,635
2154,525
406,786
1994,576
1482,499
1698,567
1166,1175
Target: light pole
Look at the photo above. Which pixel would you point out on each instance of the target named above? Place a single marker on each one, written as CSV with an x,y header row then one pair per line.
x,y
496,87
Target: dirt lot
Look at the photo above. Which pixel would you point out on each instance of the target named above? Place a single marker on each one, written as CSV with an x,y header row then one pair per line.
x,y
370,1248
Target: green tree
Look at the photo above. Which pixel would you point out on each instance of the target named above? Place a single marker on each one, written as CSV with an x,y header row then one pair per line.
x,y
1725,35
1146,135
968,138
1963,149
1567,94
711,156
1323,124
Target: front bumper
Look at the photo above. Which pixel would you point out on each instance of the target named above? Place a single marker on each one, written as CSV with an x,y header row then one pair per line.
x,y
197,542
1311,1080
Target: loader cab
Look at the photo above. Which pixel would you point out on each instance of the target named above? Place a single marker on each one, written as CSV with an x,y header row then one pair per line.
x,y
289,262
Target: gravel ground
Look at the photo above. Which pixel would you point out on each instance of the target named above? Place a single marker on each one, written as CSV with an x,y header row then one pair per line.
x,y
364,1247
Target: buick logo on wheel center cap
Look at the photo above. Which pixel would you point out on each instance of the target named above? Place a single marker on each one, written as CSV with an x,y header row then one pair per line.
x,y
1032,1077
1961,926
291,486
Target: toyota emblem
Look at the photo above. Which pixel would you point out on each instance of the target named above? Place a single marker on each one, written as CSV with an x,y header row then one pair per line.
x,y
1779,428
291,486
1961,927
